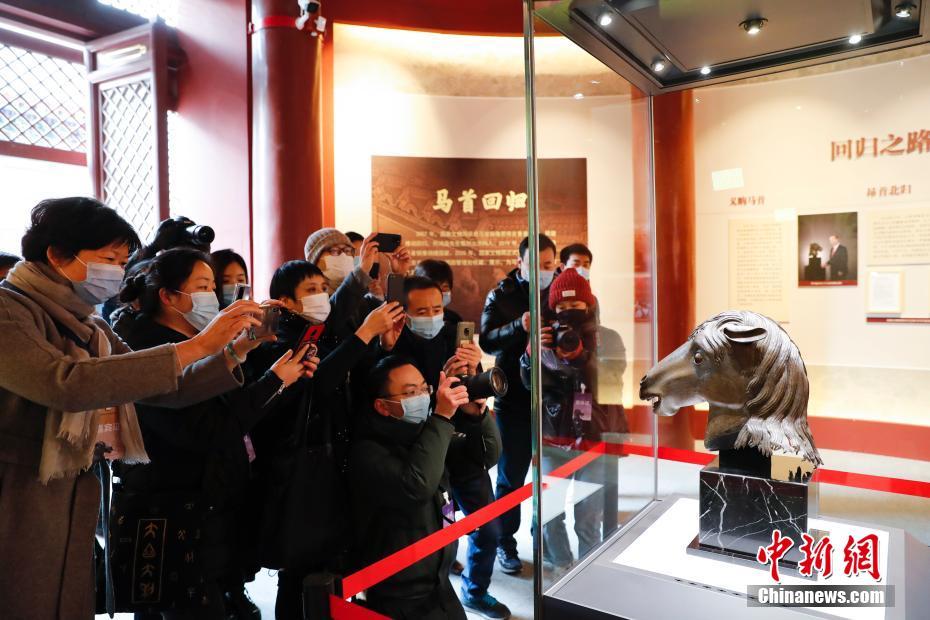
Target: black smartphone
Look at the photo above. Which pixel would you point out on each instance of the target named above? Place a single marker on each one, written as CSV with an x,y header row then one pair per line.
x,y
387,242
271,315
395,288
375,271
242,291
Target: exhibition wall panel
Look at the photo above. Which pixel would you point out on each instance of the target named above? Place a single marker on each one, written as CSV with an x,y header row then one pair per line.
x,y
784,163
383,106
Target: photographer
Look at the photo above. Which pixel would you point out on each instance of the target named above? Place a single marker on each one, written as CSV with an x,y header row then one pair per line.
x,y
400,486
571,415
230,269
440,272
430,343
61,369
205,450
303,291
505,324
350,281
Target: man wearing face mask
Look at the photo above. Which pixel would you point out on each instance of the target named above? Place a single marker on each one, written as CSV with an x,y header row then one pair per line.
x,y
400,484
571,412
427,339
505,325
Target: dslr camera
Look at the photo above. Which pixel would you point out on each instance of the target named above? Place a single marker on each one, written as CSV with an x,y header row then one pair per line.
x,y
181,231
565,337
485,385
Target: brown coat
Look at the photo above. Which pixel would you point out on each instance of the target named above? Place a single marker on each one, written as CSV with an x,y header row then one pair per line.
x,y
47,531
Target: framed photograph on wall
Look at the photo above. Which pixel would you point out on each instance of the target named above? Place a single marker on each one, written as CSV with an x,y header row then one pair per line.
x,y
828,249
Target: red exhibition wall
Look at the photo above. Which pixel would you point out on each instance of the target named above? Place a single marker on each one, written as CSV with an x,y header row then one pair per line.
x,y
210,170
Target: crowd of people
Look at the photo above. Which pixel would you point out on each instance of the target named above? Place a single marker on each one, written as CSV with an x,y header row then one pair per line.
x,y
163,435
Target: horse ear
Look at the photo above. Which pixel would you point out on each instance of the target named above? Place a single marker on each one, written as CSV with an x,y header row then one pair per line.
x,y
743,333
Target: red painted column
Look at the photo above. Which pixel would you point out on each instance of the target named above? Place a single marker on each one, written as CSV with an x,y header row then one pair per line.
x,y
287,137
673,139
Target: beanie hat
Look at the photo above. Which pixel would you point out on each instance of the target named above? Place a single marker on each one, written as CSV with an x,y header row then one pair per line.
x,y
570,286
321,240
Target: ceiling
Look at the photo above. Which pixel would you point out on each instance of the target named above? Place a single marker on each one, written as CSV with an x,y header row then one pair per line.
x,y
701,42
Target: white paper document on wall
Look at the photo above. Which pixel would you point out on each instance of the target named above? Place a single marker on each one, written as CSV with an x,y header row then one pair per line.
x,y
899,237
760,260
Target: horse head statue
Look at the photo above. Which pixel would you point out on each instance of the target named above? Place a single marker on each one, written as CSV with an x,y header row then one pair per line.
x,y
751,374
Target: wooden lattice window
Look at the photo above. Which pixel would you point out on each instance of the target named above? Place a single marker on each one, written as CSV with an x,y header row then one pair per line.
x,y
43,106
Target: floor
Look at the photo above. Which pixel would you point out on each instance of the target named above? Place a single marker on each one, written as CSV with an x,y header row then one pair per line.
x,y
636,484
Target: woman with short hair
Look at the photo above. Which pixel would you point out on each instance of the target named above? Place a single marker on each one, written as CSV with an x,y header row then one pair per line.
x,y
62,370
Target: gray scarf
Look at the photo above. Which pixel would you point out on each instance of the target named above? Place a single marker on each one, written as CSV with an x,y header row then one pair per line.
x,y
70,436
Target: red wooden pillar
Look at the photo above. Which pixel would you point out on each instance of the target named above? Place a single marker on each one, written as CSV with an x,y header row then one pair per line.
x,y
673,135
673,153
287,138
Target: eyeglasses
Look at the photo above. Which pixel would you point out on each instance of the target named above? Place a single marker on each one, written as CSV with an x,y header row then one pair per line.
x,y
339,250
426,389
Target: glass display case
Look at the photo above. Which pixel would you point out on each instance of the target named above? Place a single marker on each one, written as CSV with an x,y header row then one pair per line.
x,y
797,195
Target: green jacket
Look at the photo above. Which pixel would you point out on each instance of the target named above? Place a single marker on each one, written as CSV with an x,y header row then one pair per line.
x,y
399,484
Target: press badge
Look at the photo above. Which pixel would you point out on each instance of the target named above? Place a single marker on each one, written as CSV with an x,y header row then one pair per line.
x,y
448,510
582,405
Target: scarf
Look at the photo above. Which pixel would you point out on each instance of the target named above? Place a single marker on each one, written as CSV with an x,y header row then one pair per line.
x,y
70,436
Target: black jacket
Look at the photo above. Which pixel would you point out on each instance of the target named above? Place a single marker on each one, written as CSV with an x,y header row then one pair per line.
x,y
503,336
202,448
562,380
399,486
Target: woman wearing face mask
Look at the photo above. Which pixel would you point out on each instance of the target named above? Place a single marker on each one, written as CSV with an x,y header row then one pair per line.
x,y
61,372
230,270
207,451
303,290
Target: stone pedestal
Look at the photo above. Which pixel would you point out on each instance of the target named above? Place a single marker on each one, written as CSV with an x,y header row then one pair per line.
x,y
744,497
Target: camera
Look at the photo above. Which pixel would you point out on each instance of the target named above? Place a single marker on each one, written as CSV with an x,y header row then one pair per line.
x,y
565,337
489,383
182,232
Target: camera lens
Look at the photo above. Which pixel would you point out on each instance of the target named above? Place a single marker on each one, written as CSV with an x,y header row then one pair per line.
x,y
489,383
568,340
201,234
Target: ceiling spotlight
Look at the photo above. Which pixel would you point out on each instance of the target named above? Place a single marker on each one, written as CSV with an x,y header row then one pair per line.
x,y
659,65
578,95
904,10
705,70
754,25
605,19
855,39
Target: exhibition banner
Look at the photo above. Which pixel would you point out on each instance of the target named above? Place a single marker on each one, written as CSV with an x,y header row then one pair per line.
x,y
472,213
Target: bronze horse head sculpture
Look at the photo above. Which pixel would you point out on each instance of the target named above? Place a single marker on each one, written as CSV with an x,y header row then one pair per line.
x,y
751,374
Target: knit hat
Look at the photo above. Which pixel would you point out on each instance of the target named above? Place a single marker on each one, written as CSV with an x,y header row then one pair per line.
x,y
321,240
570,286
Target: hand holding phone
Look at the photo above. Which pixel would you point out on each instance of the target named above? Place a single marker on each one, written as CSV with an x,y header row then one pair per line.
x,y
387,242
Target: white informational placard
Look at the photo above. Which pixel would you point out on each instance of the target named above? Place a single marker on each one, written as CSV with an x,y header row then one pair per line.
x,y
885,291
760,266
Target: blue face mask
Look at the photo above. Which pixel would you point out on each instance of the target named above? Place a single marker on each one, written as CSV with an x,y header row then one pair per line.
x,y
545,277
102,283
426,326
416,408
206,307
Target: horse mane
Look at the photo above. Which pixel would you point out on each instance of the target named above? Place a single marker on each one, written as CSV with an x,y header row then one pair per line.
x,y
778,391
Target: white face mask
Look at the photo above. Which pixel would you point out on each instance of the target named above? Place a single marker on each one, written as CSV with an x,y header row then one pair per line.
x,y
584,272
416,408
229,293
206,307
545,277
426,326
446,298
316,307
103,282
339,267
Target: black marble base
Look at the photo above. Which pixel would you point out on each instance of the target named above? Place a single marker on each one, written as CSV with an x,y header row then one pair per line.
x,y
739,509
